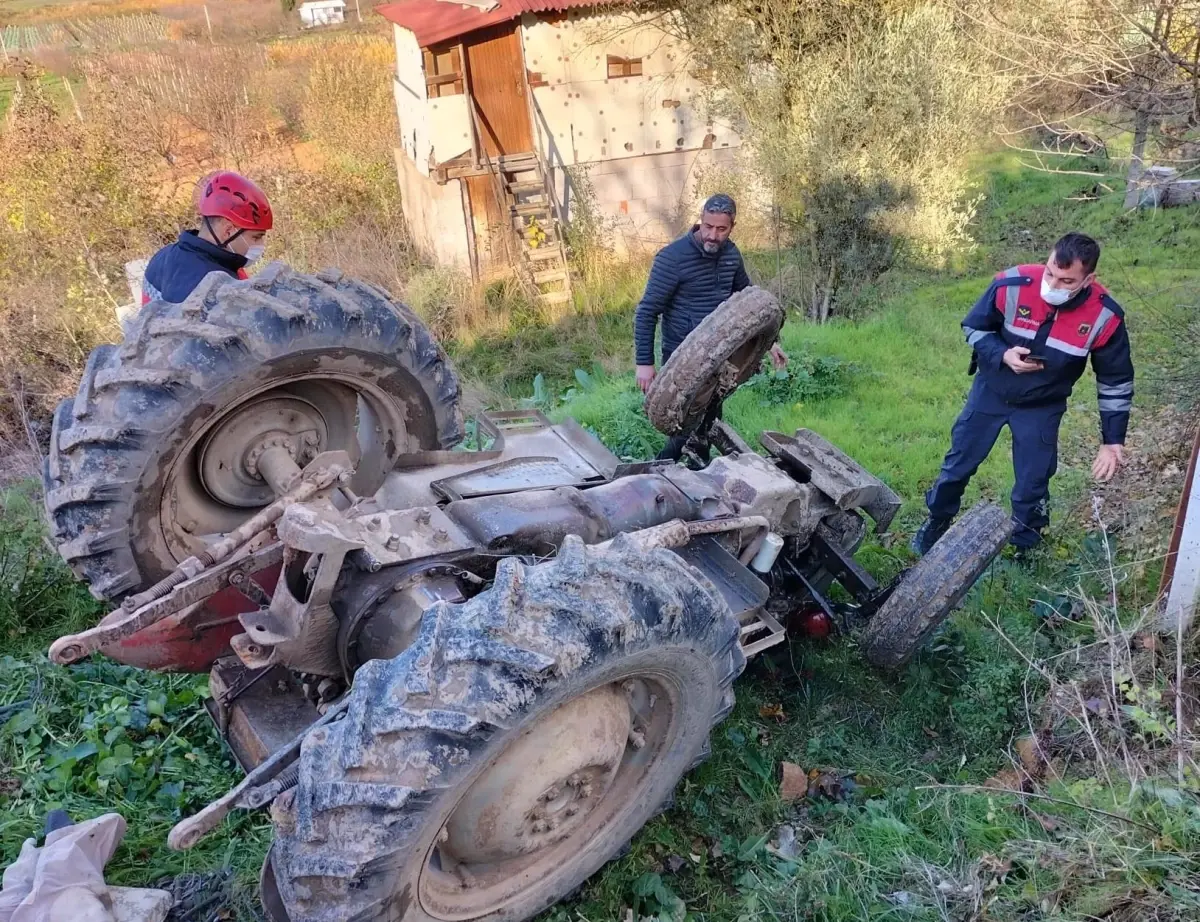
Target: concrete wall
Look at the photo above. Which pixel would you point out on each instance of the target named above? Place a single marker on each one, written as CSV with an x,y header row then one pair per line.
x,y
408,88
645,201
435,214
431,130
586,117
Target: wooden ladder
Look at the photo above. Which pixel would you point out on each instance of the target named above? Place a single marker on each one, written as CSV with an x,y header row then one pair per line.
x,y
537,225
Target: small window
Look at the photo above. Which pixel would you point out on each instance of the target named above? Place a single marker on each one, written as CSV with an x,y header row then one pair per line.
x,y
624,67
443,71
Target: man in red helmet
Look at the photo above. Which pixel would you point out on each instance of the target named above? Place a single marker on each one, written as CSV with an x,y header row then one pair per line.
x,y
234,219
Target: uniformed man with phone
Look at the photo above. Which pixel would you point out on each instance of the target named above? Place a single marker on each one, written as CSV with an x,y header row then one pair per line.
x,y
1032,333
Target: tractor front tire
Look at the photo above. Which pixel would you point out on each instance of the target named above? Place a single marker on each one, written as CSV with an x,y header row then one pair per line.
x,y
514,748
932,589
725,350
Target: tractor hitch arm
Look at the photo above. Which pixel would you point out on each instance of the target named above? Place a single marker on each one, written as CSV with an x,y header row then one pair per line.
x,y
74,647
260,786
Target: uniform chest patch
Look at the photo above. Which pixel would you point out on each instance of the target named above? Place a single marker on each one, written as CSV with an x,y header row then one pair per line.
x,y
1023,312
1084,329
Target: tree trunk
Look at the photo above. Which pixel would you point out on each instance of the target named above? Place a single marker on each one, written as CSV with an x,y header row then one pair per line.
x,y
1137,161
827,298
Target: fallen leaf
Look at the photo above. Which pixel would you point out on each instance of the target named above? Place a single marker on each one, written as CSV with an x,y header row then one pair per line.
x,y
829,786
931,733
773,711
1007,780
899,898
1147,642
1030,755
717,851
994,863
1047,823
675,864
793,782
930,755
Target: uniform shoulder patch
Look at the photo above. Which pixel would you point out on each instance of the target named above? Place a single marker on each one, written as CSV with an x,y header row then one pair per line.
x,y
1108,301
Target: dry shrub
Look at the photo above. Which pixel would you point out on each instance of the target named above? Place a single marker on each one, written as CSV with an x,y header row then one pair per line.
x,y
214,89
348,108
74,210
446,300
53,13
335,218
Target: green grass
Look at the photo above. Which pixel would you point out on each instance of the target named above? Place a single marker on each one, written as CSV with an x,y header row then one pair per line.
x,y
905,842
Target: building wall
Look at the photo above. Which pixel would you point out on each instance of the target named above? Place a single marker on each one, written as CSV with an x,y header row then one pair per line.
x,y
585,116
322,15
644,201
435,214
431,130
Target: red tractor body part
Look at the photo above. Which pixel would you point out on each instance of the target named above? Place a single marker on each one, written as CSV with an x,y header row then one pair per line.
x,y
190,641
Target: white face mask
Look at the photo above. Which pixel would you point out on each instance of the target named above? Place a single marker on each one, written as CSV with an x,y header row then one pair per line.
x,y
255,253
1056,297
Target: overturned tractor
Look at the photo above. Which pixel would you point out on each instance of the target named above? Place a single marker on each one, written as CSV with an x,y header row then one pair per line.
x,y
461,680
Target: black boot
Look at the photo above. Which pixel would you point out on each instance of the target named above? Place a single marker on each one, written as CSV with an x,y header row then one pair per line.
x,y
927,535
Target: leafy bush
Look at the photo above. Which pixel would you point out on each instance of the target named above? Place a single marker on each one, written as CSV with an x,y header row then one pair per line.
x,y
864,114
807,377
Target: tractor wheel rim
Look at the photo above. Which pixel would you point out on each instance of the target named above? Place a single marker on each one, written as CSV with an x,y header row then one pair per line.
x,y
547,795
213,484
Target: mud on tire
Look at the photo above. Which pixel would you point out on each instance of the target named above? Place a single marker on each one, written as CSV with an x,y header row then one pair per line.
x,y
181,364
739,332
932,589
365,834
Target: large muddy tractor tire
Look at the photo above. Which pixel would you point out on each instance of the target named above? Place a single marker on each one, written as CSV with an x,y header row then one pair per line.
x,y
514,748
931,590
722,353
156,453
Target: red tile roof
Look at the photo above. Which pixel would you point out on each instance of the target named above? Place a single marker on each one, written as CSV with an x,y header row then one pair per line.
x,y
433,21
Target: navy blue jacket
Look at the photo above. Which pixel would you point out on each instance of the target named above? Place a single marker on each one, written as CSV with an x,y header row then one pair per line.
x,y
685,286
175,270
1012,312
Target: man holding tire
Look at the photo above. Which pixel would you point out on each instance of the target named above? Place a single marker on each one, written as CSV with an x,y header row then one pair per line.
x,y
691,277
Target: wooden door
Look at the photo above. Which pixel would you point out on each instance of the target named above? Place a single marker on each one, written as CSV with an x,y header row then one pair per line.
x,y
496,75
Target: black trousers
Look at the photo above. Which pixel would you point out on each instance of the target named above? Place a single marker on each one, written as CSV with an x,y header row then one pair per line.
x,y
673,450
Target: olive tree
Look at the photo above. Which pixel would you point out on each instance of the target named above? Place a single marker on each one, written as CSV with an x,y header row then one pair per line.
x,y
863,115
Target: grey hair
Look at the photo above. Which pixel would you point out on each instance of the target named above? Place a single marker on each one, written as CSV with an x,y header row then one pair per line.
x,y
721,204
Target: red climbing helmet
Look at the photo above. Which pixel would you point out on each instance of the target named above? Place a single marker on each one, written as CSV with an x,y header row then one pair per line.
x,y
235,198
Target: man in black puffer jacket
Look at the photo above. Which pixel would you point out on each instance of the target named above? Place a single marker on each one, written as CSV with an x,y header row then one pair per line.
x,y
690,278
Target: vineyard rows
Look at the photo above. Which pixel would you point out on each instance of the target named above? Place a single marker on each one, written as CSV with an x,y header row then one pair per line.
x,y
101,34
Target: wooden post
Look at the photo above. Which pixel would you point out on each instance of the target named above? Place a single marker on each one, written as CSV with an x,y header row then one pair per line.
x,y
778,268
74,101
208,22
358,12
3,47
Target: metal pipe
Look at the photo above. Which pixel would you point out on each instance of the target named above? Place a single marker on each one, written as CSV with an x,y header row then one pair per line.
x,y
677,532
